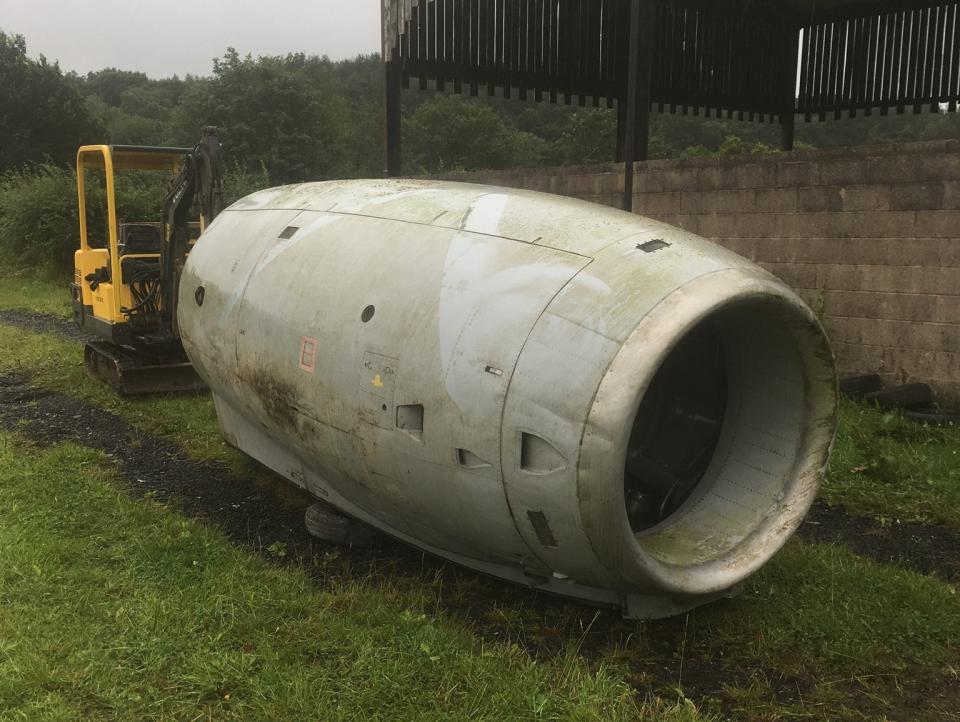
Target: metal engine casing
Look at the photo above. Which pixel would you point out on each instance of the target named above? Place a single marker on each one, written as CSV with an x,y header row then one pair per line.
x,y
557,393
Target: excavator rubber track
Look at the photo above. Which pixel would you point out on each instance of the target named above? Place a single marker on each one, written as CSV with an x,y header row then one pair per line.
x,y
131,373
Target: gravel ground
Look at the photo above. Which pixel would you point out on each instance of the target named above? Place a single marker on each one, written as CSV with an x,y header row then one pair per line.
x,y
42,323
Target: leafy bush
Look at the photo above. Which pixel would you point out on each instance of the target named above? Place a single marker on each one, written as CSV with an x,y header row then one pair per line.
x,y
38,217
590,136
240,181
39,225
39,220
450,133
287,113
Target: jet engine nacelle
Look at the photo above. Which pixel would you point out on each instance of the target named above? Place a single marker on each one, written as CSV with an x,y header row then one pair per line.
x,y
553,392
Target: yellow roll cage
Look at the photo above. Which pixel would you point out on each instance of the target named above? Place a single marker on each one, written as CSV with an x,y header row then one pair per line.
x,y
110,159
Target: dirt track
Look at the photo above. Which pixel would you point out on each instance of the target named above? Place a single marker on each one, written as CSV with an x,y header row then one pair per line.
x,y
247,513
42,323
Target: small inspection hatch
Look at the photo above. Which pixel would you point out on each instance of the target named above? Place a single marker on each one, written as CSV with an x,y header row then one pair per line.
x,y
651,246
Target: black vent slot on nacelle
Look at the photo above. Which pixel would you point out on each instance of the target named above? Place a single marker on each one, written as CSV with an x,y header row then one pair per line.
x,y
410,419
541,527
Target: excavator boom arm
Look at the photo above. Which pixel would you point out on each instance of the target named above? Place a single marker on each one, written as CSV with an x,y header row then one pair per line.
x,y
199,184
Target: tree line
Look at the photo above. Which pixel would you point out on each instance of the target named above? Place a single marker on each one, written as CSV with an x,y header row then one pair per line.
x,y
301,117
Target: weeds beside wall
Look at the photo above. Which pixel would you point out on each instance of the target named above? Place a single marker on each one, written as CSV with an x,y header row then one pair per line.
x,y
868,236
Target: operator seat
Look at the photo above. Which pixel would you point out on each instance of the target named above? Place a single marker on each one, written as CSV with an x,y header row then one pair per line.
x,y
139,238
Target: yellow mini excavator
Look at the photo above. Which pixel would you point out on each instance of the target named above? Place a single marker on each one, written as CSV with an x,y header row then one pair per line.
x,y
126,281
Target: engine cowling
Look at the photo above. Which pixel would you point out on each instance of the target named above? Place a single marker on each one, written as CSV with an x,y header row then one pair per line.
x,y
557,393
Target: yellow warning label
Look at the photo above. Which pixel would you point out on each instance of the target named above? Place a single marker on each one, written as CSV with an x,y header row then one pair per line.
x,y
377,381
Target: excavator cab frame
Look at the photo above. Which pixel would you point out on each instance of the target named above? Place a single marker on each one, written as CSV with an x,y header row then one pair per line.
x,y
99,303
125,285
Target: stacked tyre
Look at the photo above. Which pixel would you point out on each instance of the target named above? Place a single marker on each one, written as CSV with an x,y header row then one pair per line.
x,y
916,400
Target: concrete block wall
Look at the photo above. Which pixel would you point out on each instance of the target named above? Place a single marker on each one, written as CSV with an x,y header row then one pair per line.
x,y
868,236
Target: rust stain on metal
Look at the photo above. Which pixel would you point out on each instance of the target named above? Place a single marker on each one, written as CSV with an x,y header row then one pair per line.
x,y
277,397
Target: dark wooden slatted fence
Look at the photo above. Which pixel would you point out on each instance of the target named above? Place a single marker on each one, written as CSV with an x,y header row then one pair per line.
x,y
765,60
897,59
709,57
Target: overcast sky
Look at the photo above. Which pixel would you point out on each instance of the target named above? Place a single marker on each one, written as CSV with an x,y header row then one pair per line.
x,y
167,37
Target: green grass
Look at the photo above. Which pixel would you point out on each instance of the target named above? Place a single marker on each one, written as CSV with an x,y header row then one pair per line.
x,y
112,608
117,609
892,468
829,604
817,615
27,290
54,363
